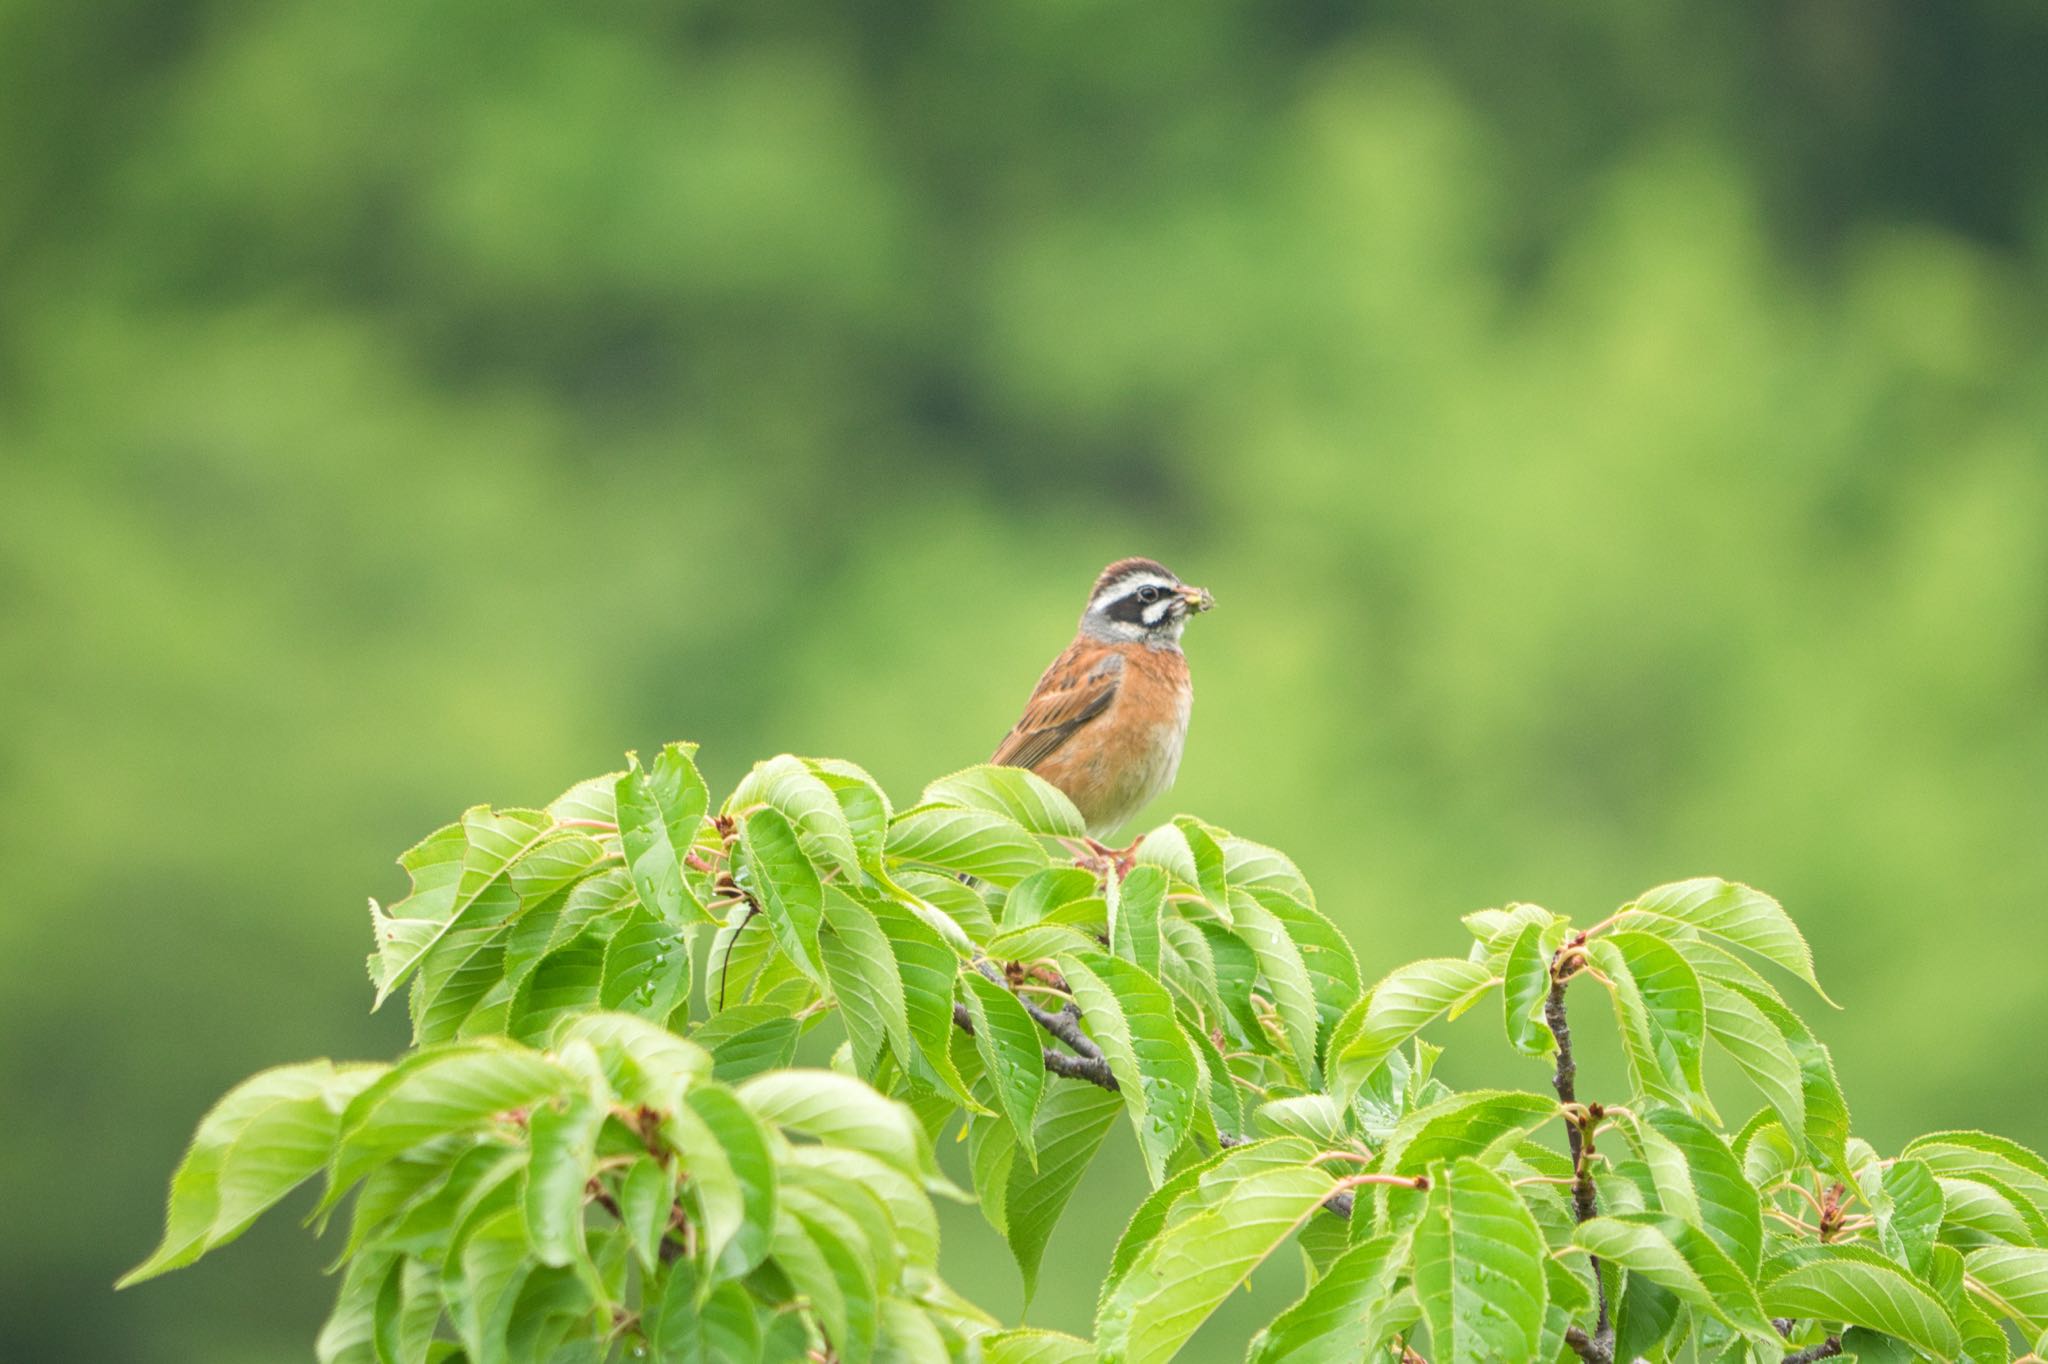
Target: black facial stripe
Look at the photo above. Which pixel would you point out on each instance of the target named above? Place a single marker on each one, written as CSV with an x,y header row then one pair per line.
x,y
1130,609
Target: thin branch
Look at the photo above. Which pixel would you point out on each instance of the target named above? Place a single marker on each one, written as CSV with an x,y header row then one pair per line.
x,y
1827,1349
1092,1068
1599,1347
1065,1025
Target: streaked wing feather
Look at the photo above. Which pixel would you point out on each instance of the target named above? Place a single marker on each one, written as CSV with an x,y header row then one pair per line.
x,y
1075,689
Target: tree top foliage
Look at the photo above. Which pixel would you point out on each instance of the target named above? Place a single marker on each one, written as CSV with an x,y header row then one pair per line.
x,y
601,1145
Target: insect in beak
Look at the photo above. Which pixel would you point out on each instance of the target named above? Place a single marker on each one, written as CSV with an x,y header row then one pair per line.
x,y
1197,598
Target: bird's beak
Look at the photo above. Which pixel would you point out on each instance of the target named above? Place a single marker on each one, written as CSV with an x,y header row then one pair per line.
x,y
1197,598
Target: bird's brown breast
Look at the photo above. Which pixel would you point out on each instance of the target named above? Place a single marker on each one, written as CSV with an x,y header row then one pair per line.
x,y
1121,758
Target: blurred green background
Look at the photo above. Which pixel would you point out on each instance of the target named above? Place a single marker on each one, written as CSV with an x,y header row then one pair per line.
x,y
1616,433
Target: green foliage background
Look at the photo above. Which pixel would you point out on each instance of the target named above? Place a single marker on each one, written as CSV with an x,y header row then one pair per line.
x,y
1615,436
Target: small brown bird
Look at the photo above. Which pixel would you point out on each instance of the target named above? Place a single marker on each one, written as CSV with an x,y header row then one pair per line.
x,y
1107,722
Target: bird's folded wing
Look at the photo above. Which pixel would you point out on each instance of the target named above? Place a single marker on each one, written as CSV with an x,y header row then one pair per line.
x,y
1077,688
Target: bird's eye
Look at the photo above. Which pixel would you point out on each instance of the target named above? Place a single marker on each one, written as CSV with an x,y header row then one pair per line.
x,y
1148,594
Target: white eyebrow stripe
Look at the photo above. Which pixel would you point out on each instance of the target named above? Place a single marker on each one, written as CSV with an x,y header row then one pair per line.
x,y
1123,587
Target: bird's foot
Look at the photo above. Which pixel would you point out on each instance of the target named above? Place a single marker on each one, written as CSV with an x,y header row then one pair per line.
x,y
1106,861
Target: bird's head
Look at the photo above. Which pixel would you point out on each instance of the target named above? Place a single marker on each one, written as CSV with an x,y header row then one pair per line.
x,y
1141,601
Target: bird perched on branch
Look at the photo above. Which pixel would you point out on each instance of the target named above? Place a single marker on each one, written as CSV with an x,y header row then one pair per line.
x,y
1107,721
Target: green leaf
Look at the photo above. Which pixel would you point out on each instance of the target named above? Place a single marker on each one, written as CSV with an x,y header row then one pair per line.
x,y
801,796
1334,1321
1729,1209
910,1209
927,968
1038,894
749,1039
1012,1051
1682,1259
861,967
562,1134
775,870
450,869
1660,1175
646,966
1826,1129
1571,1293
955,907
1495,930
1072,1121
2013,1280
408,1309
858,1283
1028,1345
1194,1188
452,1087
730,1171
1979,1211
991,1154
854,1213
1734,913
263,1139
659,812
643,1062
1021,797
647,1195
862,803
1871,1293
1136,904
348,1336
482,1292
559,860
1479,1269
1194,1264
1645,1313
430,1220
565,982
1255,868
1150,1219
1314,1116
1671,996
2005,1165
695,1324
589,799
1397,1008
977,843
836,1108
1526,986
1480,1126
1758,1049
1130,1016
822,1268
461,980
561,918
911,1335
1909,1213
1288,983
1325,955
